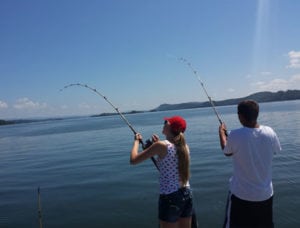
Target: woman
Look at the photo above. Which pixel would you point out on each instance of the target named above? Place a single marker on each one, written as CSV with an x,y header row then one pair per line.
x,y
173,160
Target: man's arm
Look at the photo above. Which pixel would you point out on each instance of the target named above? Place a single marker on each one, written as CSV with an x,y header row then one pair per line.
x,y
223,137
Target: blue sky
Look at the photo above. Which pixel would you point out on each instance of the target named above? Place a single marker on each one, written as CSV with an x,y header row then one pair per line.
x,y
129,51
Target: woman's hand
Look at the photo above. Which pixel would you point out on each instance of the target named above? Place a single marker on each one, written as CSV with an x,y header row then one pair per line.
x,y
155,138
138,137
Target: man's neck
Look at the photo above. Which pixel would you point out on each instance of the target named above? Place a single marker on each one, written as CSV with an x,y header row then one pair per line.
x,y
251,125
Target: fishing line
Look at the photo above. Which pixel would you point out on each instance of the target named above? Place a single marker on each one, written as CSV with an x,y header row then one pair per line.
x,y
115,108
202,85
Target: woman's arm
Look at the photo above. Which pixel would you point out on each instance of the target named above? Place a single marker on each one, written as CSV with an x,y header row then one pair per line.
x,y
157,148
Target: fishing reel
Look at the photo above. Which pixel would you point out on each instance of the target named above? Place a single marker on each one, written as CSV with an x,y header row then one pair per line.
x,y
148,143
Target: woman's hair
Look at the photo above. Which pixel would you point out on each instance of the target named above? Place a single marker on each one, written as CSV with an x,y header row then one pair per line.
x,y
183,157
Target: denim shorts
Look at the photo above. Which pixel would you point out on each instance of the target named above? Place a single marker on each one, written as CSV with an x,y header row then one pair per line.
x,y
175,205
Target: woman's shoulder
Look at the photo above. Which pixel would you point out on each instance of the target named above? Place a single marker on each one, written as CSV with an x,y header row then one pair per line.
x,y
161,147
163,143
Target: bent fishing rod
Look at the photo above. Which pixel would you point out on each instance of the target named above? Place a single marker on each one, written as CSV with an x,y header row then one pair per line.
x,y
116,109
202,84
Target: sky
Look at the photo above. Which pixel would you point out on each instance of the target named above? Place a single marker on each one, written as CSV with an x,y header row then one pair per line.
x,y
130,51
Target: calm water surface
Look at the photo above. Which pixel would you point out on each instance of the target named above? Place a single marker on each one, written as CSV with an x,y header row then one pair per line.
x,y
82,167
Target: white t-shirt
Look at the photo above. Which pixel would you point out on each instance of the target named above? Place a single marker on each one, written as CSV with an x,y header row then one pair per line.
x,y
252,152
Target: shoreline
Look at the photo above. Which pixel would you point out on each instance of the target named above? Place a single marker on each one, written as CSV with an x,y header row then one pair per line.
x,y
261,97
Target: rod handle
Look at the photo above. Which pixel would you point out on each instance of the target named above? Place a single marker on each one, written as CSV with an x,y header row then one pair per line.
x,y
145,146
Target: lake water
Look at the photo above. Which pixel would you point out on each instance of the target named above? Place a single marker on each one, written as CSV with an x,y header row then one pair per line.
x,y
82,167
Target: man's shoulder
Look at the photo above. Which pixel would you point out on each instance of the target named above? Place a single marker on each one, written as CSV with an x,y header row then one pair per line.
x,y
238,130
267,129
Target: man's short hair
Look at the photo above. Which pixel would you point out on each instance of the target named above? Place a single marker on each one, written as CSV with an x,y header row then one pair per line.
x,y
249,109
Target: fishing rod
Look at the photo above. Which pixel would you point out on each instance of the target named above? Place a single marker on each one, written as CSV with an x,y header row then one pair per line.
x,y
117,110
194,217
202,84
40,209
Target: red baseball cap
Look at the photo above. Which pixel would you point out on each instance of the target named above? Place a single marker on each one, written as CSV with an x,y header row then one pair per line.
x,y
177,123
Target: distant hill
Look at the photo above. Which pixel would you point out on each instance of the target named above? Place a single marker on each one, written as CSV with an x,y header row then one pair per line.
x,y
18,121
260,97
115,113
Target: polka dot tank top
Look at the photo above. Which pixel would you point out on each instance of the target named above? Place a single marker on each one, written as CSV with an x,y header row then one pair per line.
x,y
168,166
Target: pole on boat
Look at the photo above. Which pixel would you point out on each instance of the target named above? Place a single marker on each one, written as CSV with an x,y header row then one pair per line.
x,y
39,209
115,108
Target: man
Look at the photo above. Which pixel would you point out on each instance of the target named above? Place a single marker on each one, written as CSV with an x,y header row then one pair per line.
x,y
251,147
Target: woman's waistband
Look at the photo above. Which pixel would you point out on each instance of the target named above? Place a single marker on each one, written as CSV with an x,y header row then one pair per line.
x,y
182,189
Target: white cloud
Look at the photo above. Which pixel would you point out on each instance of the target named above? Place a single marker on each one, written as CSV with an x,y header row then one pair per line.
x,y
64,107
279,84
25,103
295,79
294,59
3,104
265,73
86,106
